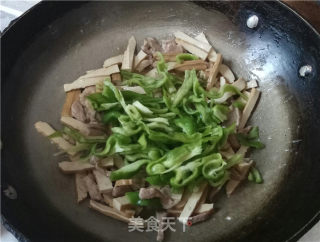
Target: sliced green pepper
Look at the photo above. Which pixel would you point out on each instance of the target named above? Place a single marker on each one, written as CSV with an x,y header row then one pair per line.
x,y
187,124
134,199
186,174
127,171
251,139
185,56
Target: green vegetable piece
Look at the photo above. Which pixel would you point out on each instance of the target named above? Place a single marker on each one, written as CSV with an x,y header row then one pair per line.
x,y
134,199
185,56
251,139
160,180
127,171
187,124
186,174
257,178
214,167
111,117
186,86
221,112
174,158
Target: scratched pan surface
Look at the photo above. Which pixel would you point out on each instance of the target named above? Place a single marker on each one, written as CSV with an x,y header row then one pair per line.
x,y
56,42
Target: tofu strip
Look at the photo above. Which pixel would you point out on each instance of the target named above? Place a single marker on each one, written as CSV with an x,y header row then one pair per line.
x,y
46,130
104,183
102,72
193,49
212,56
70,98
108,211
115,60
227,73
253,98
213,72
192,204
128,56
91,78
81,188
70,167
139,58
189,65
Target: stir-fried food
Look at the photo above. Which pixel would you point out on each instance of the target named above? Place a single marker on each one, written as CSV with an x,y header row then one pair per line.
x,y
165,129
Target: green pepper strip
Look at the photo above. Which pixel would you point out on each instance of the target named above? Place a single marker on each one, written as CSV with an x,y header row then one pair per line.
x,y
185,56
184,175
134,199
127,171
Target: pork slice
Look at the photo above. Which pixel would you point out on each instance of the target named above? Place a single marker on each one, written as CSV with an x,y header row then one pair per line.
x,y
81,188
151,46
200,217
92,187
89,111
160,216
119,191
171,47
77,111
152,192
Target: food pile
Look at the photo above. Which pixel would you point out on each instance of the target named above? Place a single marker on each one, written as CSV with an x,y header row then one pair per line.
x,y
163,129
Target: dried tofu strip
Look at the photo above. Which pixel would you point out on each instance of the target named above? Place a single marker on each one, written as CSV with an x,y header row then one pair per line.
x,y
139,58
104,183
143,65
92,187
174,212
81,188
124,182
102,72
115,60
128,56
199,44
192,203
192,49
107,162
70,167
116,78
200,217
122,203
240,84
189,65
108,199
227,73
70,98
129,213
80,126
253,98
83,83
205,207
185,197
252,84
203,196
213,72
46,130
212,56
108,211
166,57
233,183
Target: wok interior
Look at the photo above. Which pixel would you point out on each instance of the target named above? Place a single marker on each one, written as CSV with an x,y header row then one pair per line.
x,y
82,40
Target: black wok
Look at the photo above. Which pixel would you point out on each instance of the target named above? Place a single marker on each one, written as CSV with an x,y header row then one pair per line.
x,y
55,42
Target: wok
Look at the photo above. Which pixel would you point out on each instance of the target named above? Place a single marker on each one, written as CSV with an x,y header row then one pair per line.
x,y
56,42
